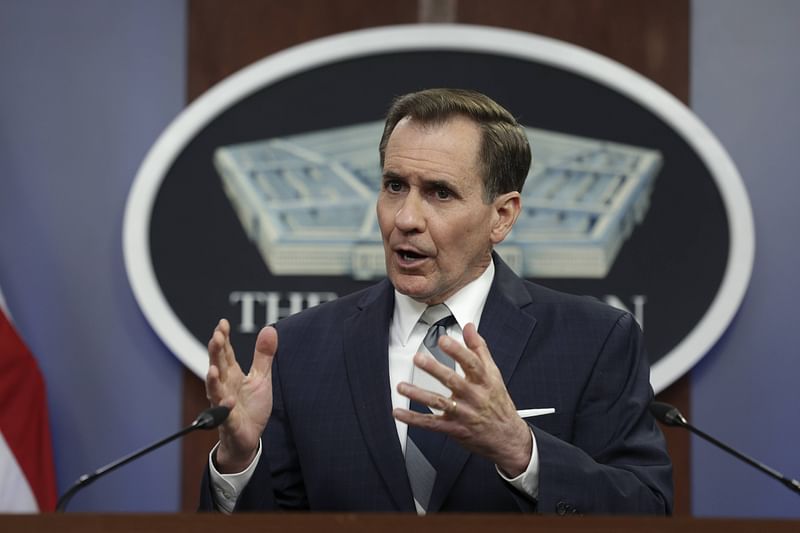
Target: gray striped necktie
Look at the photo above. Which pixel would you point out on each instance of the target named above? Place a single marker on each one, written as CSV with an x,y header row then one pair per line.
x,y
424,447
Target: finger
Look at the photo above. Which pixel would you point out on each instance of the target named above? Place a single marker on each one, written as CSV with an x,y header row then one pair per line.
x,y
215,390
476,343
445,375
225,328
478,346
469,361
212,384
216,353
266,347
429,398
432,422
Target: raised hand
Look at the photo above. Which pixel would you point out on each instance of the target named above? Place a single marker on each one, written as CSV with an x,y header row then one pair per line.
x,y
249,397
479,413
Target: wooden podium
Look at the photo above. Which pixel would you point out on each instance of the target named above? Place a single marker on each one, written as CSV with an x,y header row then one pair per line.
x,y
383,523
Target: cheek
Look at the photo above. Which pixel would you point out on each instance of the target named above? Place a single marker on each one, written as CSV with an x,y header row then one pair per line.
x,y
385,220
464,237
451,241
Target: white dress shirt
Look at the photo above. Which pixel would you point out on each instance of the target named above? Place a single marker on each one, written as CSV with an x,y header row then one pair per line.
x,y
405,336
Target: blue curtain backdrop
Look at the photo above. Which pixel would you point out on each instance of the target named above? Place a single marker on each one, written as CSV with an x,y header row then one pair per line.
x,y
87,86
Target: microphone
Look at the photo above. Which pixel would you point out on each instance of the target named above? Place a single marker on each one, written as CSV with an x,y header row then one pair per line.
x,y
208,419
670,415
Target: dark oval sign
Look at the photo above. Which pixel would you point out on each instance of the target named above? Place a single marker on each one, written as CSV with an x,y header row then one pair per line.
x,y
257,201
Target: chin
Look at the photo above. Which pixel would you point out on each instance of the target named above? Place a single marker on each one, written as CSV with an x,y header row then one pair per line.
x,y
413,288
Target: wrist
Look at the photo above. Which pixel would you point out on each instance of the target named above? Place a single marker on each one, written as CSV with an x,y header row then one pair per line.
x,y
518,458
232,463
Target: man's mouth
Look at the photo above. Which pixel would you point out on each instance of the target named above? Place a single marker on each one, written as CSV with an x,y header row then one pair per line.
x,y
409,256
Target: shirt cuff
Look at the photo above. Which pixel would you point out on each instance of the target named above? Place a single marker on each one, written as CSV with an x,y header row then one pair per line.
x,y
528,481
227,487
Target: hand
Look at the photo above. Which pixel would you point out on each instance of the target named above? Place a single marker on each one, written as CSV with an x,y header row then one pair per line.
x,y
248,397
480,413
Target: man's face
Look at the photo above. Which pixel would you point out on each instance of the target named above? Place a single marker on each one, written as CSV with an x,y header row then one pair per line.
x,y
437,230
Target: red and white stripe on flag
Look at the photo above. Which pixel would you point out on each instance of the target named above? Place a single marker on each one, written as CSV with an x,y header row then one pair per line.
x,y
27,475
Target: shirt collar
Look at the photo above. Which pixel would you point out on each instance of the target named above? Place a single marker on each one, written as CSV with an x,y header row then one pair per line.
x,y
466,305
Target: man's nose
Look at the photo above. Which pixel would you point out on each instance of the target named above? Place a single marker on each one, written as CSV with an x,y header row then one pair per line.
x,y
410,217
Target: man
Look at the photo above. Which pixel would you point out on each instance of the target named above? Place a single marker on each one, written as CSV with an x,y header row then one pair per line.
x,y
344,417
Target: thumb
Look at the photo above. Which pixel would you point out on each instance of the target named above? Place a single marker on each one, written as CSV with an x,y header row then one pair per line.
x,y
266,346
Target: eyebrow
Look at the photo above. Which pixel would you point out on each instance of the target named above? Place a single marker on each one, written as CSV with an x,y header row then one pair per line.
x,y
392,175
440,184
426,183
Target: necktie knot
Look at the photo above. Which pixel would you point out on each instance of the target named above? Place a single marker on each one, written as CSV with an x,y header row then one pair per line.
x,y
435,314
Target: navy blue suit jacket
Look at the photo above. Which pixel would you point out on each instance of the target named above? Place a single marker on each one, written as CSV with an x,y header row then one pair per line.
x,y
331,443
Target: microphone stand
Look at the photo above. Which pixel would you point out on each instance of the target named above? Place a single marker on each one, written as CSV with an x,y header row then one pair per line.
x,y
208,419
671,416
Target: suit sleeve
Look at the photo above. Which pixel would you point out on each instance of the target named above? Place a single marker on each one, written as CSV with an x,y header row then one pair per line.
x,y
615,460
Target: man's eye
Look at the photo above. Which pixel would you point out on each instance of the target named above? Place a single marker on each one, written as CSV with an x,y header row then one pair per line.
x,y
442,194
393,186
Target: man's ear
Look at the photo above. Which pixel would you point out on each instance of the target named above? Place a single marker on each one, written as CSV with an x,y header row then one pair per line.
x,y
506,210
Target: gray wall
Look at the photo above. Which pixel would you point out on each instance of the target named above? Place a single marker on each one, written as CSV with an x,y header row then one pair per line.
x,y
745,86
87,87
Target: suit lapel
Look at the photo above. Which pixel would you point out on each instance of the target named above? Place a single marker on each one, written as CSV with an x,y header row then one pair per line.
x,y
506,328
366,341
505,325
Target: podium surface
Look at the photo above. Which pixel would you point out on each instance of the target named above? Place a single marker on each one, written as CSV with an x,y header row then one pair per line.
x,y
385,523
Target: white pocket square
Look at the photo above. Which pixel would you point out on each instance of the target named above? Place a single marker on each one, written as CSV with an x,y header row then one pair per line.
x,y
530,413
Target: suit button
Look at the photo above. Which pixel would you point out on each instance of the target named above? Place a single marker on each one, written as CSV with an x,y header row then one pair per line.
x,y
564,508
